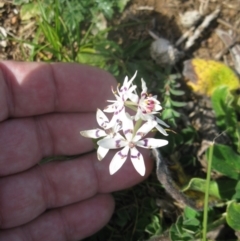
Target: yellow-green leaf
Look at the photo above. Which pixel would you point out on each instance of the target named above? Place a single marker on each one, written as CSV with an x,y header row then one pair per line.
x,y
205,75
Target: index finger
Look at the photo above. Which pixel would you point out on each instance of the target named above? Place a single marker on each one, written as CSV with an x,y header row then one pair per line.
x,y
28,89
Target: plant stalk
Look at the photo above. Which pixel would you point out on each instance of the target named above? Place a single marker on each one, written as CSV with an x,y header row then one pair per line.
x,y
206,198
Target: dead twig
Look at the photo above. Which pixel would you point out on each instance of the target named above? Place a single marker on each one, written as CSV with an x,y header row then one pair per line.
x,y
234,49
197,33
145,8
166,180
223,22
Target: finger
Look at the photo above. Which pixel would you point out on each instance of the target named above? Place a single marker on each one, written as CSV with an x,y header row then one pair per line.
x,y
28,89
26,195
70,223
43,136
46,135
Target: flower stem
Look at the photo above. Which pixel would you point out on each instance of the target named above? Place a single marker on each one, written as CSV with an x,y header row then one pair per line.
x,y
136,127
130,105
205,211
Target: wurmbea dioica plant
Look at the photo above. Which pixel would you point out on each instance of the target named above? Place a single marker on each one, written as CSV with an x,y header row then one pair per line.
x,y
128,131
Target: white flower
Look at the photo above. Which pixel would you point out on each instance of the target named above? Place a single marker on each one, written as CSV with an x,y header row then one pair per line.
x,y
122,95
106,132
148,105
129,142
127,89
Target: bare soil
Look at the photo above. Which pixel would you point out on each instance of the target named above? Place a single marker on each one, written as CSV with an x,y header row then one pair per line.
x,y
165,22
165,16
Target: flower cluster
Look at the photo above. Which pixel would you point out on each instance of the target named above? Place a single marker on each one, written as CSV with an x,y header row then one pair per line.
x,y
128,131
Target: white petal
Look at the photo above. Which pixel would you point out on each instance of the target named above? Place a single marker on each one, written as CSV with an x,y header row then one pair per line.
x,y
127,126
137,161
135,74
96,133
132,88
131,80
120,109
159,121
117,118
127,88
150,143
160,129
133,97
101,152
102,119
113,143
158,107
117,127
110,108
125,81
144,129
118,160
129,95
144,87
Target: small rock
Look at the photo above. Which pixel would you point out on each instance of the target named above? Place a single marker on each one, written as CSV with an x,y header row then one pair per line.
x,y
15,11
164,53
190,18
3,43
3,32
14,20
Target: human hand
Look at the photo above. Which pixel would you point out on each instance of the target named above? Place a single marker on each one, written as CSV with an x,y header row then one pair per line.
x,y
43,107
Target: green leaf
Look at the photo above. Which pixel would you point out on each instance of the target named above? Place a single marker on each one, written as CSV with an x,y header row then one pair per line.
x,y
73,13
190,212
226,161
167,103
176,114
236,190
221,189
90,57
228,189
154,227
233,215
20,2
29,10
198,184
188,134
170,114
122,4
178,103
177,92
222,102
177,232
167,114
191,222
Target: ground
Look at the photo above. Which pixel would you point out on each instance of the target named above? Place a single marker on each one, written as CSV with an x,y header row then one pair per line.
x,y
165,15
165,22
